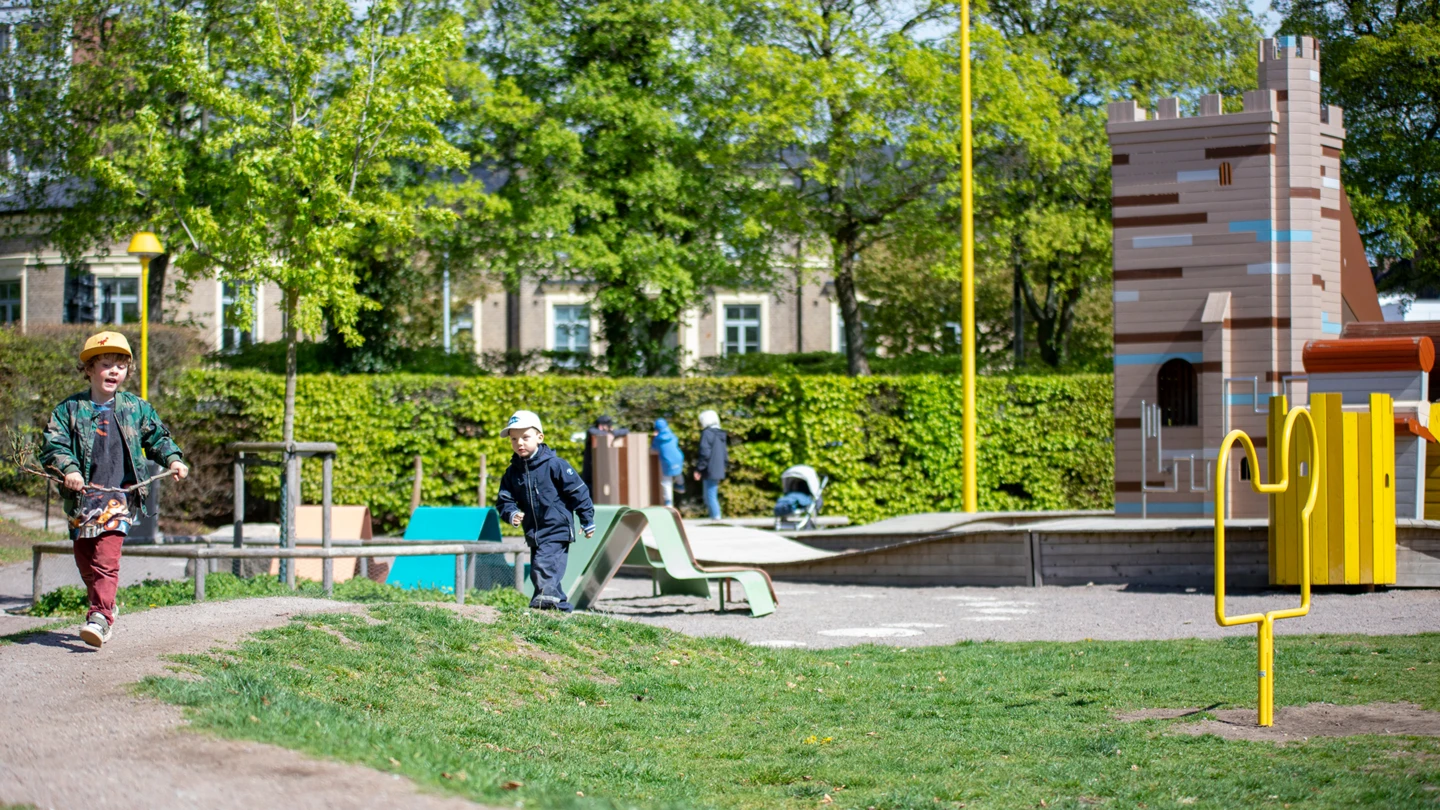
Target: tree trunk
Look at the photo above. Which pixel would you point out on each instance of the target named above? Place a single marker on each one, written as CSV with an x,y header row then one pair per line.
x,y
155,292
1053,318
291,363
857,364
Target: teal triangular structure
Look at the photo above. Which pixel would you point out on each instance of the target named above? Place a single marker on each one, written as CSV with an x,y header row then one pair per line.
x,y
438,523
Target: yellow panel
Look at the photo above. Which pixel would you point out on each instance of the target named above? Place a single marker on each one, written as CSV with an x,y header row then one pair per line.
x,y
1385,542
1368,469
1345,560
1320,525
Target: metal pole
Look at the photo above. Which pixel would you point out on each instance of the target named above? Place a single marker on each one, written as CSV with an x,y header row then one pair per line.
x,y
239,509
446,296
47,504
967,265
327,566
36,557
144,327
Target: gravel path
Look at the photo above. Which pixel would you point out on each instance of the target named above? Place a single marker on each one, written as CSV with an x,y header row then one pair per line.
x,y
73,735
814,615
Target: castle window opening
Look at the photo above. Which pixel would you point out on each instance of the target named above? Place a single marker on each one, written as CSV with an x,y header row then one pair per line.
x,y
1177,390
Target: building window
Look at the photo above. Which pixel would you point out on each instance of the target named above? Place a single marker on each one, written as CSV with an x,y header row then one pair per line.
x,y
572,333
9,301
1227,174
119,300
233,336
1178,394
742,328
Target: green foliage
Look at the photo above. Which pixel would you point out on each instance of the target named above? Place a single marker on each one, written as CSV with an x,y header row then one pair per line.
x,y
70,600
620,173
890,445
1045,72
1381,63
538,710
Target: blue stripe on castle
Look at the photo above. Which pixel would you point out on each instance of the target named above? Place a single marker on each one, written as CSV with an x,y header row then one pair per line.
x,y
1241,399
1327,327
1265,232
1205,508
1149,359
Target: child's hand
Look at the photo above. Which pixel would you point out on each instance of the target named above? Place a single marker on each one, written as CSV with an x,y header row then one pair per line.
x,y
590,532
75,481
179,469
697,476
516,518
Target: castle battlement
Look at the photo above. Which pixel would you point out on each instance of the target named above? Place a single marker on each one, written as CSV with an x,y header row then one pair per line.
x,y
1227,246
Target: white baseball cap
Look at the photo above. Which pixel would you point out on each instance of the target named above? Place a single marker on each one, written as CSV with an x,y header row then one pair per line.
x,y
521,420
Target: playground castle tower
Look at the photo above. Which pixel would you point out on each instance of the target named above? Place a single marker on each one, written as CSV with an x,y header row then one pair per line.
x,y
1228,258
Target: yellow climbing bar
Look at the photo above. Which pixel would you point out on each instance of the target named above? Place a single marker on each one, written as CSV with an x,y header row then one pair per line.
x,y
1306,478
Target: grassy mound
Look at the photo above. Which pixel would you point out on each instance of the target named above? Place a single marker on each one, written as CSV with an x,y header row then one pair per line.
x,y
588,711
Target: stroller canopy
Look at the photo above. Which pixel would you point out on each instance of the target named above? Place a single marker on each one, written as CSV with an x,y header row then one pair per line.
x,y
801,478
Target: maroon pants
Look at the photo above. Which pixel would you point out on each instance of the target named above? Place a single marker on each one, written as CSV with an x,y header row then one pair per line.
x,y
98,559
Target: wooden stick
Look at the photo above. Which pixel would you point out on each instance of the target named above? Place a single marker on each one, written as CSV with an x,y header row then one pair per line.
x,y
484,479
415,490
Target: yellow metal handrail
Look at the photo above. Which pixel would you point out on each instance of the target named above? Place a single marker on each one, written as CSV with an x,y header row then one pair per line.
x,y
1265,622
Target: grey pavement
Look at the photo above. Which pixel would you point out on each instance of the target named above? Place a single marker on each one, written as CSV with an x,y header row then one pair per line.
x,y
25,512
822,615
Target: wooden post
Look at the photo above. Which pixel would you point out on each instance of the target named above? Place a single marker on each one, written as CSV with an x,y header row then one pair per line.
x,y
484,480
415,490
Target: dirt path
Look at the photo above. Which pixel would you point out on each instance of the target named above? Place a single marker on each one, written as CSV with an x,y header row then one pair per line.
x,y
73,735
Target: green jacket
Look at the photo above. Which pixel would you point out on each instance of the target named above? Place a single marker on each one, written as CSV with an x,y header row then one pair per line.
x,y
70,438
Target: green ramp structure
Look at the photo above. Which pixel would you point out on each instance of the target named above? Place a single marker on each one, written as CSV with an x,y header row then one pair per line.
x,y
617,534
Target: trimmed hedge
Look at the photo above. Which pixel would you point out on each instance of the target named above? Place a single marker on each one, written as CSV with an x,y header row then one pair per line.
x,y
890,445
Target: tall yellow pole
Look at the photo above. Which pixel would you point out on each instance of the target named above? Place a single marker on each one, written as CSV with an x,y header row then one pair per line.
x,y
967,267
145,246
144,327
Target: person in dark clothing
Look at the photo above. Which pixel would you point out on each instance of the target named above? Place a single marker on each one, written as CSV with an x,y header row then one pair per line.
x,y
539,491
603,425
711,461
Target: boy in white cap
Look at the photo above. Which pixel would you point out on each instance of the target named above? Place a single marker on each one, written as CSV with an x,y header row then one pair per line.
x,y
539,492
97,440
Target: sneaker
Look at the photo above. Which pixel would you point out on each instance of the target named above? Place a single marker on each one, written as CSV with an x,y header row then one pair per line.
x,y
96,630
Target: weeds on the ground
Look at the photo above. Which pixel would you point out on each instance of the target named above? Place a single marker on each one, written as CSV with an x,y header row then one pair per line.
x,y
16,540
594,712
70,600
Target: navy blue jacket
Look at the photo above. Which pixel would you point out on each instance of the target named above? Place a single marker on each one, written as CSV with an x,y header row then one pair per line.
x,y
547,489
714,454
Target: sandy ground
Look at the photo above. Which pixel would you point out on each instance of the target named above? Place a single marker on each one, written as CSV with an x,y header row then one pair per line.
x,y
815,615
72,735
1297,723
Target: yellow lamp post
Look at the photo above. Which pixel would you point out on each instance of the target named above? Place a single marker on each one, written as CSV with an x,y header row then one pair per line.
x,y
145,246
967,269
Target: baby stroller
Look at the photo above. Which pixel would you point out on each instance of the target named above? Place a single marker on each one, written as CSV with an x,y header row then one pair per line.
x,y
800,500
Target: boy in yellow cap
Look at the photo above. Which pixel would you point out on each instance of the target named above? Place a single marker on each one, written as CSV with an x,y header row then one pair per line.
x,y
96,440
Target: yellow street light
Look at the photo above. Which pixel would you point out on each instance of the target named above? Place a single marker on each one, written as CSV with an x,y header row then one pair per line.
x,y
967,271
145,246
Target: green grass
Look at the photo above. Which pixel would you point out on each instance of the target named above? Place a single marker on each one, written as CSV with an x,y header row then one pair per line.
x,y
16,540
635,716
70,601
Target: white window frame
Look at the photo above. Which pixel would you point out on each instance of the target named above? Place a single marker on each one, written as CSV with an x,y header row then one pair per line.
x,y
568,299
257,331
741,299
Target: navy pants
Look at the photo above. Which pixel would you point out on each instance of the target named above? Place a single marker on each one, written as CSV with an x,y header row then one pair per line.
x,y
547,574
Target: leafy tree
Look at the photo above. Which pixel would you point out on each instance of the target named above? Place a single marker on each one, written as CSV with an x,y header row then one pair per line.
x,y
851,109
1044,208
264,133
618,173
1381,63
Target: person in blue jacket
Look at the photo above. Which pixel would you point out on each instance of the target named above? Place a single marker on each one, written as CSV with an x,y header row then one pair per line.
x,y
672,461
539,492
